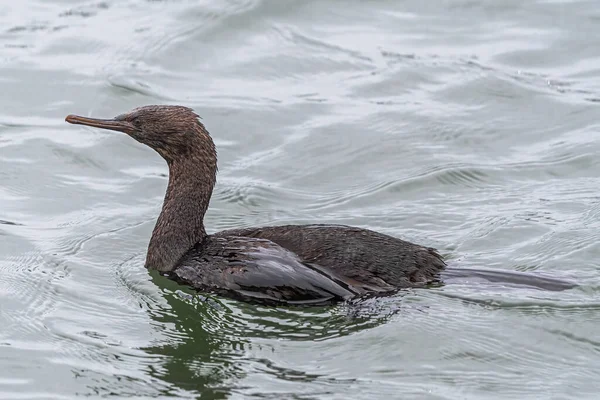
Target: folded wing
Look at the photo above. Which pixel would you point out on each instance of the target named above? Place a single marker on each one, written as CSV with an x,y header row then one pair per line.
x,y
261,270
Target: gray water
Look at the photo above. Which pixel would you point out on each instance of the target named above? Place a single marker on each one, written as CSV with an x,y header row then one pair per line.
x,y
471,126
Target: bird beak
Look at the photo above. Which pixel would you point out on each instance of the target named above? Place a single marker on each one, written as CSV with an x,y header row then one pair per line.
x,y
112,124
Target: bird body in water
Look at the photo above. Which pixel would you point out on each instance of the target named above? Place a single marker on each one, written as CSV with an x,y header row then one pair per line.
x,y
289,264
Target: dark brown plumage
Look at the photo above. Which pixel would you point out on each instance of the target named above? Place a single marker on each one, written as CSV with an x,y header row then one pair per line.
x,y
293,264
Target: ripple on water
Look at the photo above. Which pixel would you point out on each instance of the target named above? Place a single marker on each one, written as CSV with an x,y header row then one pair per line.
x,y
3,222
96,352
226,318
30,279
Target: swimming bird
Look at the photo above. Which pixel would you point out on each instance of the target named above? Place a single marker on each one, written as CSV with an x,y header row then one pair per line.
x,y
285,264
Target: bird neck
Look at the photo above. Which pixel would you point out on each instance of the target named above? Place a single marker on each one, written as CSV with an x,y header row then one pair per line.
x,y
180,224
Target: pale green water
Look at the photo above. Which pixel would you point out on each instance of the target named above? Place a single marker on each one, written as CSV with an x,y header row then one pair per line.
x,y
471,126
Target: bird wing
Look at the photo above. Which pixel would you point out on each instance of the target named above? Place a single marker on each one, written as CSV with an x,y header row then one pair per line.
x,y
261,270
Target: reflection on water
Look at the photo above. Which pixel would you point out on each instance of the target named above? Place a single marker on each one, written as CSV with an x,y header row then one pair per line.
x,y
209,339
469,126
199,361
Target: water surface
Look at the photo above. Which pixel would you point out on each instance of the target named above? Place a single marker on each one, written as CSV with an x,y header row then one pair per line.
x,y
471,126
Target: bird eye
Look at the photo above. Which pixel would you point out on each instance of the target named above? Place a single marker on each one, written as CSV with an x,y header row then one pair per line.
x,y
136,122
